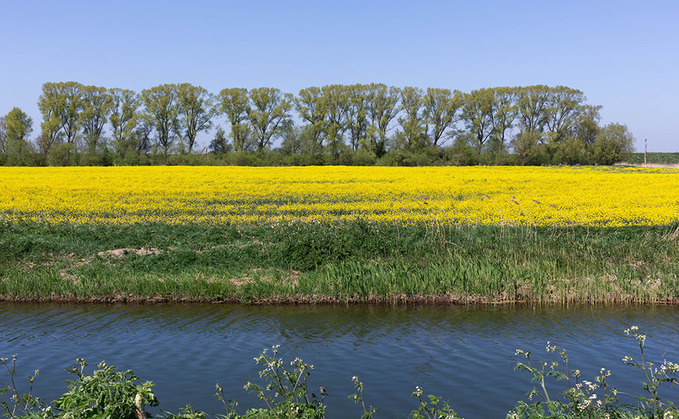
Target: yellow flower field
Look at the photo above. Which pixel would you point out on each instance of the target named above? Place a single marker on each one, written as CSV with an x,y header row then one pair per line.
x,y
249,196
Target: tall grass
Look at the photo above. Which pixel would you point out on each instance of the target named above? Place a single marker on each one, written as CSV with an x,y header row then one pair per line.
x,y
338,262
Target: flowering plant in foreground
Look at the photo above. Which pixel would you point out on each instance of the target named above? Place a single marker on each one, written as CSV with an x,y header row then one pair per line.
x,y
594,398
537,196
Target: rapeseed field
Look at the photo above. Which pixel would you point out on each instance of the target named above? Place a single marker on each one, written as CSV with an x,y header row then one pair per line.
x,y
539,196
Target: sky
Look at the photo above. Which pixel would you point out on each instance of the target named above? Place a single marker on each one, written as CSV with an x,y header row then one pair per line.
x,y
624,55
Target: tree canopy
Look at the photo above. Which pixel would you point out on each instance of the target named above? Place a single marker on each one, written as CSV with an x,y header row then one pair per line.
x,y
332,124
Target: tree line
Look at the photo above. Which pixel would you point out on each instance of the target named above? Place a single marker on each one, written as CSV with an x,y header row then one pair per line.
x,y
361,124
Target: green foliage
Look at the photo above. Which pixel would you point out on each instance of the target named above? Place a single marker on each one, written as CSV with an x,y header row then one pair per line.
x,y
97,104
477,113
268,115
413,132
124,118
106,393
62,154
359,124
235,104
18,125
19,153
219,144
162,113
196,108
60,105
440,112
613,143
307,246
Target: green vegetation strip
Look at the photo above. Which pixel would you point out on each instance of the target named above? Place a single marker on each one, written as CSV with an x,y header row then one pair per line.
x,y
340,262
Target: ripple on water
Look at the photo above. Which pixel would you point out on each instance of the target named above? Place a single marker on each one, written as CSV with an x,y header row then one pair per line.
x,y
460,353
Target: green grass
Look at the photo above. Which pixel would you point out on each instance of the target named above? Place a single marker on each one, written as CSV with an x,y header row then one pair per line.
x,y
340,262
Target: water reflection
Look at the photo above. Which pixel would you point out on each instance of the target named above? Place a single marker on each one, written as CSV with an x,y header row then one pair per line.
x,y
462,353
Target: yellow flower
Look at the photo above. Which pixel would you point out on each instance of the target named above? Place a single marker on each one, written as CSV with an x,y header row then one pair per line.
x,y
540,196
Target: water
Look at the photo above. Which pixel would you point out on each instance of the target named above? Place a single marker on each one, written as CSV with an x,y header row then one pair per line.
x,y
463,354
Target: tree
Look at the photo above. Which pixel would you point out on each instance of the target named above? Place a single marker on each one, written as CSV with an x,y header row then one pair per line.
x,y
337,102
477,113
196,109
162,111
19,153
612,143
413,130
563,107
357,114
18,125
383,108
528,148
235,103
71,94
219,145
15,128
440,112
532,105
62,154
123,119
586,127
142,134
297,140
270,111
504,113
96,104
312,107
60,105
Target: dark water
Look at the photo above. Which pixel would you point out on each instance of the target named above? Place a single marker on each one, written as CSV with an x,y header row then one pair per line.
x,y
463,354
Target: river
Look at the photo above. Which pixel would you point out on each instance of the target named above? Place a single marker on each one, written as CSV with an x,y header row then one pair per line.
x,y
465,354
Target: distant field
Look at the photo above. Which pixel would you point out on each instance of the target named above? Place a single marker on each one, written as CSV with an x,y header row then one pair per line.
x,y
656,158
246,196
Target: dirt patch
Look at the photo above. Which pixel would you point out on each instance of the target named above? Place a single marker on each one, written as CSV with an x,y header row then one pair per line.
x,y
292,278
120,253
69,276
239,282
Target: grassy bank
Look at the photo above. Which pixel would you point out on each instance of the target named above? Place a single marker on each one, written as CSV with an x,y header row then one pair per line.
x,y
338,262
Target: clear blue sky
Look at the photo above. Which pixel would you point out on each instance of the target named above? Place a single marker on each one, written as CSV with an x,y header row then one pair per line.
x,y
623,55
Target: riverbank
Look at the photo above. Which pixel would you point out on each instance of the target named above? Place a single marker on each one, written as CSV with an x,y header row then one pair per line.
x,y
341,262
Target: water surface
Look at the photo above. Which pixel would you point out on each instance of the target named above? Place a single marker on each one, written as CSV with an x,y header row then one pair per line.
x,y
461,353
